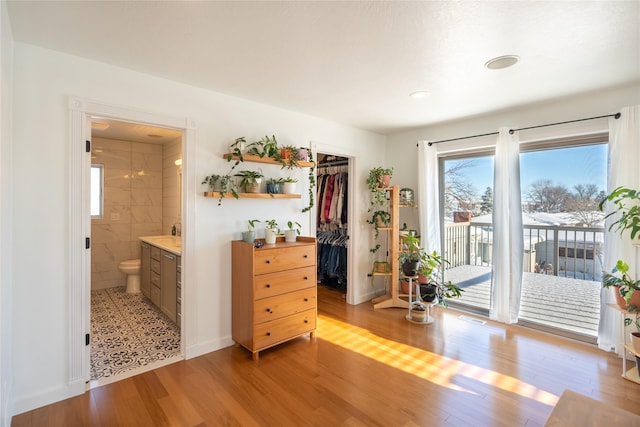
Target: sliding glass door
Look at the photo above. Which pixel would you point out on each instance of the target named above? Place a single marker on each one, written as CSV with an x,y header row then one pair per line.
x,y
466,201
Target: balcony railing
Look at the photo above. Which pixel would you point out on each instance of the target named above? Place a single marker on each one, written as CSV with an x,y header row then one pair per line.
x,y
564,296
575,252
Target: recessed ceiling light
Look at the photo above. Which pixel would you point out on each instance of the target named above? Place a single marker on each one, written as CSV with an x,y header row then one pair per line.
x,y
419,94
502,62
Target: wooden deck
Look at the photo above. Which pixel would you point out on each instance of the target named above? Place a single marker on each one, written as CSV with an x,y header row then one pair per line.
x,y
553,301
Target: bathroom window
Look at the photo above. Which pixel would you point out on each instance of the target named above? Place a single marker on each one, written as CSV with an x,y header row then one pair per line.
x,y
97,191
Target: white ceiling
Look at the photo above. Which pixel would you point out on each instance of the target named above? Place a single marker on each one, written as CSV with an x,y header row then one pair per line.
x,y
355,62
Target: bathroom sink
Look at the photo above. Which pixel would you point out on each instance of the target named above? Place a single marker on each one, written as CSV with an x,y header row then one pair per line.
x,y
171,243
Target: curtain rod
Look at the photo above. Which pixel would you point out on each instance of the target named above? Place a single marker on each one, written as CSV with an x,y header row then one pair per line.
x,y
511,131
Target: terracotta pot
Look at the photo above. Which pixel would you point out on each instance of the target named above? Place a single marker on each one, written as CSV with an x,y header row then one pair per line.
x,y
404,287
285,153
635,299
384,181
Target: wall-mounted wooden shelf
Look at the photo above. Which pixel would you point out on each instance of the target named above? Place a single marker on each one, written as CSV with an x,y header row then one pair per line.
x,y
266,160
216,194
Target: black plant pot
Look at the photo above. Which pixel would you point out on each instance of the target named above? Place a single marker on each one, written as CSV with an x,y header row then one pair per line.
x,y
409,268
427,293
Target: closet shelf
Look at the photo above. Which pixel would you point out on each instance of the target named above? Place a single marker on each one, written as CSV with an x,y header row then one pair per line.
x,y
253,195
266,160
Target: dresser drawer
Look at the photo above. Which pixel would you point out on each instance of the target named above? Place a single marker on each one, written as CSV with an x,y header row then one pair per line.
x,y
271,284
273,308
267,334
271,260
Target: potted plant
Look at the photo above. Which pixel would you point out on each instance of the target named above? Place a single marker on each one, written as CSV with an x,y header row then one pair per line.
x,y
249,236
377,180
289,185
271,231
418,312
625,286
250,180
219,183
292,232
410,255
303,154
273,185
379,219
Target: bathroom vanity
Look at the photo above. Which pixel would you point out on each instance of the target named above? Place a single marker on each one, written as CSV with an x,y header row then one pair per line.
x,y
160,273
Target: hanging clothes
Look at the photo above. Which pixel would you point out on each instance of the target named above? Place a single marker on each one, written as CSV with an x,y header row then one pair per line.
x,y
332,258
332,220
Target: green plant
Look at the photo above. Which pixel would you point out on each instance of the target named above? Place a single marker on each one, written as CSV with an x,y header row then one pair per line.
x,y
626,286
378,194
271,223
379,218
289,161
312,182
431,266
291,225
289,179
410,250
265,147
626,203
221,183
236,150
252,224
249,178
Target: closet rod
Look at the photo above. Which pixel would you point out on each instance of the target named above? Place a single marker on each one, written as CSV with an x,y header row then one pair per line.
x,y
334,163
511,131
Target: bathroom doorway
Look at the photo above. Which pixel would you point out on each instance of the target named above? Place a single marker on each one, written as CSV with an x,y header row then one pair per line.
x,y
136,192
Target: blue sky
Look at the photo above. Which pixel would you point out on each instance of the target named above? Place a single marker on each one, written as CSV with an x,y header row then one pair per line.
x,y
568,166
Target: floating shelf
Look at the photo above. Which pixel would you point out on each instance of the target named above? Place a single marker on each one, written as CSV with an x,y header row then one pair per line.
x,y
267,160
217,194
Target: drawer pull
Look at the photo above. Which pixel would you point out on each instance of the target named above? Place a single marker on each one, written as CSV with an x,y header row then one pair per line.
x,y
268,262
268,285
306,278
268,334
306,321
306,299
305,256
268,310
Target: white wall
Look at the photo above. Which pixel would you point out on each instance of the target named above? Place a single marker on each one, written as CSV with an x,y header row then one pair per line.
x,y
40,206
401,147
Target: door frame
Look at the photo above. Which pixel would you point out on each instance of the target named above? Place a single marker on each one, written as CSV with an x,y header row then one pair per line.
x,y
80,111
351,156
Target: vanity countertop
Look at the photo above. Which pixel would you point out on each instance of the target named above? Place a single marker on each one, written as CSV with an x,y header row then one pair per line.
x,y
172,244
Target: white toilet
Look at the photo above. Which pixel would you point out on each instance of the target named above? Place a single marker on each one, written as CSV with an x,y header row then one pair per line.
x,y
131,268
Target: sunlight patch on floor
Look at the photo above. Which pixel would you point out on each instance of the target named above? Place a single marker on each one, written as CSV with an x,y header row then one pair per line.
x,y
437,369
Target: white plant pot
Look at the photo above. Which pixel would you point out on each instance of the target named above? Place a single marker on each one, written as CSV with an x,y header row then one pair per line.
x,y
289,188
270,236
290,236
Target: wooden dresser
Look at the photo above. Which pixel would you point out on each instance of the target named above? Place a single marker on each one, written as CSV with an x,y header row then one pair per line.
x,y
273,292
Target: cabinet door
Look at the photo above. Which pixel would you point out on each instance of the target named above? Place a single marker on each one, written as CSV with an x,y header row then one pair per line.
x,y
145,269
168,285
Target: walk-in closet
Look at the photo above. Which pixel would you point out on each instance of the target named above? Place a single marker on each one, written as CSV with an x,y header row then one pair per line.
x,y
332,225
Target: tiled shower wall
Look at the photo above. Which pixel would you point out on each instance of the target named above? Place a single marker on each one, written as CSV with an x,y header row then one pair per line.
x,y
132,205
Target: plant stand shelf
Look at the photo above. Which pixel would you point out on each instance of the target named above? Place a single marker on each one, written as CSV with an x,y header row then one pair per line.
x,y
217,194
392,297
428,305
628,374
267,160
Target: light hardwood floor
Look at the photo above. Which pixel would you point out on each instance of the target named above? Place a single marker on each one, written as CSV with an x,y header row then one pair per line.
x,y
363,368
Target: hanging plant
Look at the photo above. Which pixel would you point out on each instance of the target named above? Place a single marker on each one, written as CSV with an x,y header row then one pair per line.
x,y
312,182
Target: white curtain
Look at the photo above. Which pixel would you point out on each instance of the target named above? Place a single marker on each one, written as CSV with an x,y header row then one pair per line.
x,y
429,197
624,155
508,240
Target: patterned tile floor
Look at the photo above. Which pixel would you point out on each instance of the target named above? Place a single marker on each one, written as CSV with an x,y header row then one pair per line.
x,y
127,332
